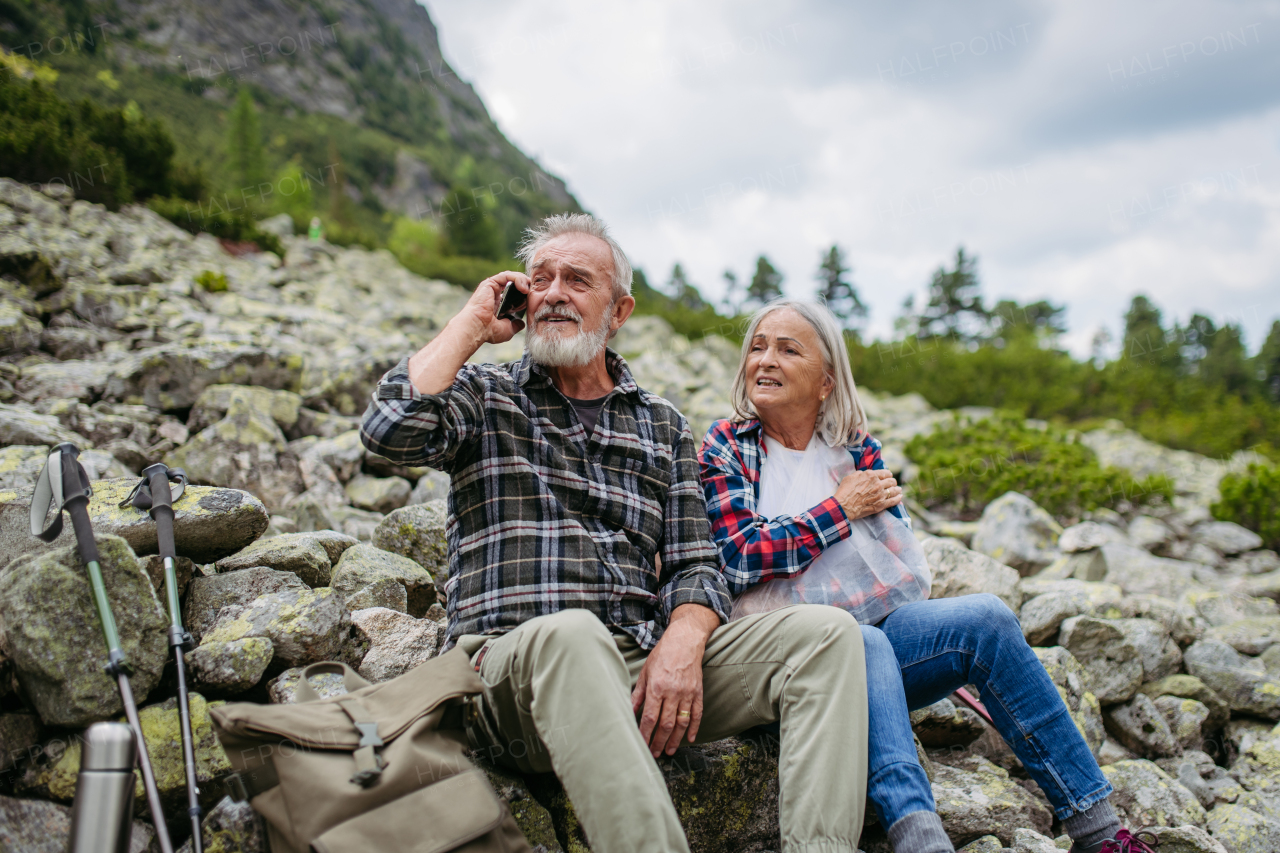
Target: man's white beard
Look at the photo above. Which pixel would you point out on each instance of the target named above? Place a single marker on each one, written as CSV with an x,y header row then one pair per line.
x,y
551,349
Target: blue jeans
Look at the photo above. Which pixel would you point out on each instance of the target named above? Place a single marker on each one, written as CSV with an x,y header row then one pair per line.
x,y
923,652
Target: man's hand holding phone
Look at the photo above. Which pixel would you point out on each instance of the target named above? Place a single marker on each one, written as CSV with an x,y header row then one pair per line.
x,y
497,307
433,368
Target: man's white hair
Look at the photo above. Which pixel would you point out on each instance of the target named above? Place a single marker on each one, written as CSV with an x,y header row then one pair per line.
x,y
841,417
578,223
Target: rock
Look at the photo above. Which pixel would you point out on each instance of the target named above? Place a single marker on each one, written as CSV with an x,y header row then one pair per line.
x,y
1158,652
18,734
1041,616
434,485
942,724
1219,608
183,570
55,637
363,565
20,425
209,523
36,826
397,642
1136,571
1242,831
1088,535
1027,841
215,401
725,794
1018,533
283,690
358,523
382,592
531,816
1149,534
305,626
1147,796
1254,563
342,454
1196,772
417,532
978,798
231,667
959,571
174,376
280,524
1113,665
208,594
1242,733
1190,687
245,450
1198,552
280,225
1250,636
378,494
1071,680
1111,752
1243,683
20,464
1186,719
1226,537
311,513
1178,618
232,827
985,844
1185,839
1141,727
300,553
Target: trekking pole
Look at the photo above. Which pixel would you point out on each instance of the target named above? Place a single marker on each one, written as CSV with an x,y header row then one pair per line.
x,y
155,494
64,484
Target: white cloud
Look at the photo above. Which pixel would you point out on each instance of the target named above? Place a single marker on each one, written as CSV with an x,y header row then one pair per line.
x,y
1082,150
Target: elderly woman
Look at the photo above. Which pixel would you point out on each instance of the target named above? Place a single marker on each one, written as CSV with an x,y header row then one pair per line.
x,y
793,397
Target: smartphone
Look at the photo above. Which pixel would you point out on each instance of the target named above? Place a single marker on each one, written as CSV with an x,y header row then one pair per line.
x,y
511,306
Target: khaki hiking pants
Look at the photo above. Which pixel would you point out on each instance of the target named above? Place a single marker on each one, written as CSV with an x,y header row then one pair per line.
x,y
558,697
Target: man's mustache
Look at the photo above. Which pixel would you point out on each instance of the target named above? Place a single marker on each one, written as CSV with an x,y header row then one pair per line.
x,y
560,311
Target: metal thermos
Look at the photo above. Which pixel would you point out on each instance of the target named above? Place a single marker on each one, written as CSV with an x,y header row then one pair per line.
x,y
102,815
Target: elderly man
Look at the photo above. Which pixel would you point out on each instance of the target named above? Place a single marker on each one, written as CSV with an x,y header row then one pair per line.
x,y
582,577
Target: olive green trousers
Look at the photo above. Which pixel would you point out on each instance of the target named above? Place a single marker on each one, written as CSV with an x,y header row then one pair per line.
x,y
557,696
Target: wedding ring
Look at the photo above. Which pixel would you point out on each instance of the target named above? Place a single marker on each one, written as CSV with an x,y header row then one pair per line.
x,y
683,715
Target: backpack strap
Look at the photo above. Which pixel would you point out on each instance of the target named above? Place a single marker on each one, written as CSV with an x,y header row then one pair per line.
x,y
368,755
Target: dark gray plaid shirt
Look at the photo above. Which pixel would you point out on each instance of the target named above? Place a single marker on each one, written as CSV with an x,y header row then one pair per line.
x,y
541,518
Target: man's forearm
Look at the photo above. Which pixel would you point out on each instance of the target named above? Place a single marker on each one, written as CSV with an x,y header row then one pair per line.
x,y
434,367
695,621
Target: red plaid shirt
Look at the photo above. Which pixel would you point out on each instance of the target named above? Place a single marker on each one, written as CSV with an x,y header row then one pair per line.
x,y
754,549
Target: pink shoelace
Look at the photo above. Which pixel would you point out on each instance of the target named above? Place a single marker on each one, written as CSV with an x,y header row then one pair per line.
x,y
1128,842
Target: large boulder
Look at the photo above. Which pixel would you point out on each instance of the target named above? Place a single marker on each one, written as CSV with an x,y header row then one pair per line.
x,y
305,626
378,494
1088,535
977,798
1226,537
1141,728
209,523
1041,616
1016,531
302,554
1249,636
1147,796
1158,652
432,486
208,594
363,566
1242,682
1149,534
958,571
21,425
1184,686
232,827
1137,571
942,724
397,642
231,667
1113,664
55,636
1185,839
417,531
1243,831
215,401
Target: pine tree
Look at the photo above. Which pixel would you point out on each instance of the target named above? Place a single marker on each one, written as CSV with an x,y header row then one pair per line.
x,y
955,306
766,284
1144,337
245,149
470,225
733,295
683,292
839,294
1267,362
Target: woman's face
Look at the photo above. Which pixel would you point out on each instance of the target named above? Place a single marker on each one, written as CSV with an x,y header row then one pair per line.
x,y
785,373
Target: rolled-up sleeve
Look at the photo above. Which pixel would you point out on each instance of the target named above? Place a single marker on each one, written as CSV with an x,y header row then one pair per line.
x,y
690,563
412,428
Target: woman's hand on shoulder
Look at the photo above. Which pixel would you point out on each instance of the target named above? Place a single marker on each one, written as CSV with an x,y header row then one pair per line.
x,y
864,493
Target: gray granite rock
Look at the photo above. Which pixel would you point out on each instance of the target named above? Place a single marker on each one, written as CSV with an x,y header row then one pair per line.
x,y
1141,727
958,571
208,594
1226,536
378,494
1147,796
417,531
1242,682
1018,533
362,566
397,642
299,553
229,667
1243,831
1113,664
305,626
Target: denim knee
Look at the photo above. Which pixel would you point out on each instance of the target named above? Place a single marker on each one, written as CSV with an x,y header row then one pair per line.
x,y
878,649
989,611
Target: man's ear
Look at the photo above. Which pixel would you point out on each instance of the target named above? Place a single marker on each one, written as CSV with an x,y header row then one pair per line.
x,y
621,311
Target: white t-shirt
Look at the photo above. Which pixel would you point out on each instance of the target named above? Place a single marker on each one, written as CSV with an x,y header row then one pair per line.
x,y
795,481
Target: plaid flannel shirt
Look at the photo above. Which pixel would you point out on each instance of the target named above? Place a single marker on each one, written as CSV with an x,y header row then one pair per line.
x,y
755,549
541,517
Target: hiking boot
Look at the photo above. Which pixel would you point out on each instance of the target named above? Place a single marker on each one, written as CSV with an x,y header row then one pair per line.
x,y
1126,842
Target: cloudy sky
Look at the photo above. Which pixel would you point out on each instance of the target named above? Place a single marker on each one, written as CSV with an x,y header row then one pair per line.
x,y
1085,151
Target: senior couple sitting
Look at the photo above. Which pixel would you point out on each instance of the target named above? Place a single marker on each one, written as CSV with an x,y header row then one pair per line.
x,y
595,554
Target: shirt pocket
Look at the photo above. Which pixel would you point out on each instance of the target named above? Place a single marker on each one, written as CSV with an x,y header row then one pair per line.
x,y
646,484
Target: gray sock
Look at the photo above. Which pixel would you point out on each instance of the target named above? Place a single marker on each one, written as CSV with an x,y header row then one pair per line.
x,y
1090,828
920,832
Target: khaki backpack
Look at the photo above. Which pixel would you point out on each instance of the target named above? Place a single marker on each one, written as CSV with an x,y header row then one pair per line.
x,y
380,769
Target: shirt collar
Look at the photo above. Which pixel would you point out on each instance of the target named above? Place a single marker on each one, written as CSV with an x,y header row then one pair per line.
x,y
623,381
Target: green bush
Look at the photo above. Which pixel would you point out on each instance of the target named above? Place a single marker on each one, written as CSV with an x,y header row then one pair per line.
x,y
964,466
239,228
1252,499
212,282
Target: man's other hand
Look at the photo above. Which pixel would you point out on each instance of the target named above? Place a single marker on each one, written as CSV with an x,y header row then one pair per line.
x,y
670,685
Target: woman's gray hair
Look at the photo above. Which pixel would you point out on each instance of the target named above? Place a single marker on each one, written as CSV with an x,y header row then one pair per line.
x,y
841,418
578,223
